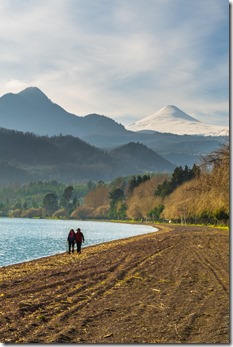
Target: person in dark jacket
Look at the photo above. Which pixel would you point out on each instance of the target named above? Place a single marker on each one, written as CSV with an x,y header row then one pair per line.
x,y
71,240
79,239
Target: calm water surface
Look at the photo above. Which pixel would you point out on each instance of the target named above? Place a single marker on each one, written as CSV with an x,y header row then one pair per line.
x,y
27,239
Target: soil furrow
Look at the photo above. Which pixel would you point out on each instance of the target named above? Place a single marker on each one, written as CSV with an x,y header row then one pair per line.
x,y
216,271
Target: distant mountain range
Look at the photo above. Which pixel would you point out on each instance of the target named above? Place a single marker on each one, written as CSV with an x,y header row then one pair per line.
x,y
26,157
171,119
32,111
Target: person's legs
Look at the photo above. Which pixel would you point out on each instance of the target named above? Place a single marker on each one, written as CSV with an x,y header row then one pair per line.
x,y
79,247
72,246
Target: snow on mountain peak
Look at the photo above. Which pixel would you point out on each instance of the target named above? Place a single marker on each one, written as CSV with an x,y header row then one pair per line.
x,y
170,119
173,112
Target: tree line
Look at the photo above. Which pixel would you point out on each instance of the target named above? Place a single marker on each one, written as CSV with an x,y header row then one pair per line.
x,y
189,195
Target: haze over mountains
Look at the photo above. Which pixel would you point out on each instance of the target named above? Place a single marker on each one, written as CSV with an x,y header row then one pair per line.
x,y
31,110
27,157
125,150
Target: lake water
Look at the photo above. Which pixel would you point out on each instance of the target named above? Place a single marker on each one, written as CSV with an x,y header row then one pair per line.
x,y
27,239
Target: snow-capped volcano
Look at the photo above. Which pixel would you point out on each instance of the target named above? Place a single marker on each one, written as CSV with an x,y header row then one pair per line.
x,y
170,119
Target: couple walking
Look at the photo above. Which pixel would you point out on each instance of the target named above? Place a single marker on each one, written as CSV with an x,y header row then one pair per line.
x,y
77,238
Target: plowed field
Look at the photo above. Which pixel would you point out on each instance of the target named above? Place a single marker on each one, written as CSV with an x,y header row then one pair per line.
x,y
166,287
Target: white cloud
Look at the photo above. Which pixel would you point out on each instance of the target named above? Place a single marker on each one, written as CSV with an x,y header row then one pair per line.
x,y
122,58
16,85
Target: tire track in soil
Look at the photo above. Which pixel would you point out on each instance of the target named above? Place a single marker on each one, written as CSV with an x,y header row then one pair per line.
x,y
214,269
185,325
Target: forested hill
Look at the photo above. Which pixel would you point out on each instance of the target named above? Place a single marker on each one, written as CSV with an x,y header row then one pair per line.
x,y
42,150
26,157
137,154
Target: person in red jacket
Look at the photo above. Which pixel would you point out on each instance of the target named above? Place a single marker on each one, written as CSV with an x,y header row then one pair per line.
x,y
79,237
71,240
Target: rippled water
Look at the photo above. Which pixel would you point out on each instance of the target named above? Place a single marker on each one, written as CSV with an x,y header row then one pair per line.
x,y
26,239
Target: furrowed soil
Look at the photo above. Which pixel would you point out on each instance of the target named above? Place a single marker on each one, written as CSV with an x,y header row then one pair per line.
x,y
170,286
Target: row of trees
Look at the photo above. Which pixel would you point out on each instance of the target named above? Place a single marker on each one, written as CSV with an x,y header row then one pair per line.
x,y
197,195
179,176
205,198
50,196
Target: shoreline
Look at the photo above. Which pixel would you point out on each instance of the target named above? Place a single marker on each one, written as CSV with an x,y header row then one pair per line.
x,y
84,247
49,258
159,227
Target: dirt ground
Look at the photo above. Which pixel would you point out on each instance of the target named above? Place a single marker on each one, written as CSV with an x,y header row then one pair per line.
x,y
171,286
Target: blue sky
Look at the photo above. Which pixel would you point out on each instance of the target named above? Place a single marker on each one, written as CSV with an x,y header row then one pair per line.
x,y
125,59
